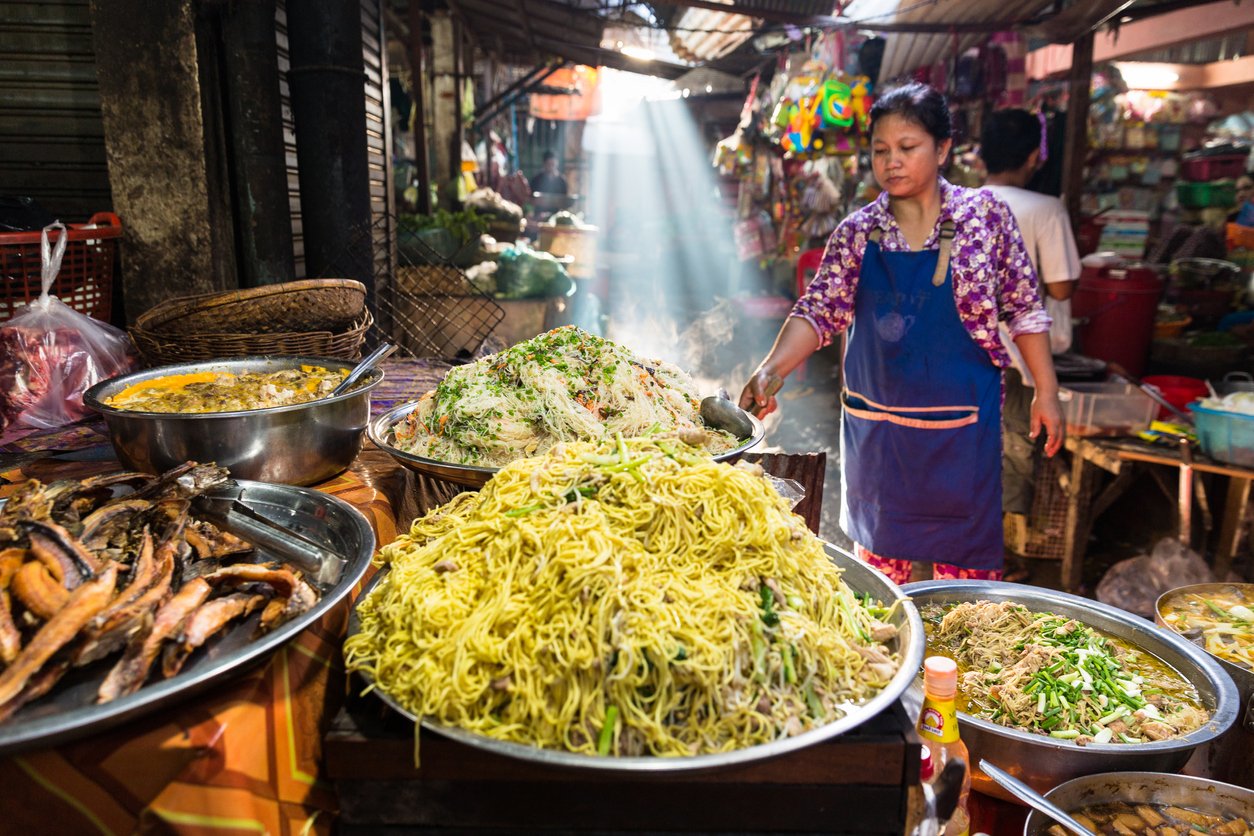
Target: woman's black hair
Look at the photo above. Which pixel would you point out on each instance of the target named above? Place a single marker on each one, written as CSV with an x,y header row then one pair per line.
x,y
919,103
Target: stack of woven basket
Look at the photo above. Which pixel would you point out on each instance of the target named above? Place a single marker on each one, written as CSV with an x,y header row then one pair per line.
x,y
311,318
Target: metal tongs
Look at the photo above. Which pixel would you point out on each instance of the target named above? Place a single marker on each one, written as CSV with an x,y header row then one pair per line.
x,y
230,514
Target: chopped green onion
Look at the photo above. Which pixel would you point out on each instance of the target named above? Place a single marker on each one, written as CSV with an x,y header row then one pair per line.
x,y
607,730
1065,734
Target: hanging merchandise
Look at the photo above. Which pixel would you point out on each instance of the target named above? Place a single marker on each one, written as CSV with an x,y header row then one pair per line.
x,y
837,109
861,101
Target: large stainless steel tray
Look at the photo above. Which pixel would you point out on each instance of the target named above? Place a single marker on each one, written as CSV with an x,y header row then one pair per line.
x,y
860,577
1043,762
380,432
316,520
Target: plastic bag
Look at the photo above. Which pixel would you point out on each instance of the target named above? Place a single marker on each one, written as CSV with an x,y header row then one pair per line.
x,y
51,354
1135,584
524,273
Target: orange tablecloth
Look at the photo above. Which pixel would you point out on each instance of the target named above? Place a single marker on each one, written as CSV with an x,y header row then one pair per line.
x,y
243,758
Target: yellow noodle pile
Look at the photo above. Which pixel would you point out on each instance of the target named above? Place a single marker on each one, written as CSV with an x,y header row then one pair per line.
x,y
629,598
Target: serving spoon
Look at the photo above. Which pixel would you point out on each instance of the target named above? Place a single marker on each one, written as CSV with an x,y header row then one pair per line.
x,y
373,359
1033,798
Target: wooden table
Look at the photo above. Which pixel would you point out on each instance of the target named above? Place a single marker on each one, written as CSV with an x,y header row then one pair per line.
x,y
856,783
1125,459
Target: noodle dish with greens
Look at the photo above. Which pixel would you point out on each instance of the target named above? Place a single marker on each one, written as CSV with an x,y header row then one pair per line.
x,y
564,385
627,598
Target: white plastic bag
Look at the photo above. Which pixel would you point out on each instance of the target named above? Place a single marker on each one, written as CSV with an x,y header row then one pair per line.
x,y
51,354
1135,584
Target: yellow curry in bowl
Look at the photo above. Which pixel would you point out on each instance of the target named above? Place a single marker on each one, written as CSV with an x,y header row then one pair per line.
x,y
1219,617
223,391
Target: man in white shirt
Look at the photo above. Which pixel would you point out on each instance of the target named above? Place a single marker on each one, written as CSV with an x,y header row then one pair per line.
x,y
1011,148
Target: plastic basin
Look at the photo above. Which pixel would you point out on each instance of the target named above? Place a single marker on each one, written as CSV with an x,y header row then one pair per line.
x,y
1226,436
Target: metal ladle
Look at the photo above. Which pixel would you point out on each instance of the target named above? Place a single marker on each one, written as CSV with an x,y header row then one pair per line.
x,y
373,359
1033,798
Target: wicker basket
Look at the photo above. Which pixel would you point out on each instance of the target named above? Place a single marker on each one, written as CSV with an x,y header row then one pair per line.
x,y
291,307
164,349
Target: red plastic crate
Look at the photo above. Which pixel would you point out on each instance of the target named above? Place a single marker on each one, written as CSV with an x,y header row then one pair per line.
x,y
1200,169
85,282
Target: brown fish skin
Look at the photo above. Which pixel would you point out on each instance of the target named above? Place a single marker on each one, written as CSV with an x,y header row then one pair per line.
x,y
203,623
211,542
52,542
38,685
283,580
38,590
118,624
84,603
185,481
279,610
131,671
101,526
10,638
10,561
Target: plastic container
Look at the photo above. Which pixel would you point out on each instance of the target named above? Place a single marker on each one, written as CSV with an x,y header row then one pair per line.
x,y
1226,436
1177,390
85,282
1114,308
1200,195
1212,168
1092,409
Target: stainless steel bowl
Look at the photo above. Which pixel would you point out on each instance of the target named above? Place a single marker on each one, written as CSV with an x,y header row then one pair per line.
x,y
300,444
1043,762
1201,794
475,476
859,576
1231,757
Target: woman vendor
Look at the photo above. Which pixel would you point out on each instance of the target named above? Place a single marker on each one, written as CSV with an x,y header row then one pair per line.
x,y
920,279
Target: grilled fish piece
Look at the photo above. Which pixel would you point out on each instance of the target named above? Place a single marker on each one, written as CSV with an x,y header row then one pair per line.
x,y
38,590
10,638
10,561
279,610
38,685
151,578
110,524
84,603
129,674
185,481
205,622
211,542
52,544
284,581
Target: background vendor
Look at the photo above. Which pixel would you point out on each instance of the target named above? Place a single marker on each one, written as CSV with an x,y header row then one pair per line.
x,y
920,279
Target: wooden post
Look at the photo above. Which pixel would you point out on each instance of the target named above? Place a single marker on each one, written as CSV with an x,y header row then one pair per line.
x,y
1077,136
444,103
418,70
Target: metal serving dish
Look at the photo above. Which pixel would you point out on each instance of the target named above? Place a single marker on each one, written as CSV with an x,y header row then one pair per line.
x,y
301,444
1201,794
330,524
1043,762
860,577
473,476
1231,756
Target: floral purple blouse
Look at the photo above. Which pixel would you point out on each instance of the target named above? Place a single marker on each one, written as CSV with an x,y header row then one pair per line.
x,y
993,277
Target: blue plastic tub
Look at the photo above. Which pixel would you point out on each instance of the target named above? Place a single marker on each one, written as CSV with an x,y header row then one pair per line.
x,y
1226,436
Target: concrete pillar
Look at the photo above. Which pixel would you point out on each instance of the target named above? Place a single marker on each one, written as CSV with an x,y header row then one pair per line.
x,y
155,135
446,133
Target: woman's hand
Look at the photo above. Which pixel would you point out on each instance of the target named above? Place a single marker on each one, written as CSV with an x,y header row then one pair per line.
x,y
1047,414
758,396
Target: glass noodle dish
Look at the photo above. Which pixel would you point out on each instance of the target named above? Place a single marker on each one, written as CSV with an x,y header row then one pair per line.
x,y
564,385
1052,675
223,391
629,598
1221,620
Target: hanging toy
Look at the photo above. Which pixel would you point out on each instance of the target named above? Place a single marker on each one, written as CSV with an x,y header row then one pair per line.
x,y
837,107
801,126
860,101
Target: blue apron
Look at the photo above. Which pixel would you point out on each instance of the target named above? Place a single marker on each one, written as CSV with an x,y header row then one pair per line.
x,y
921,432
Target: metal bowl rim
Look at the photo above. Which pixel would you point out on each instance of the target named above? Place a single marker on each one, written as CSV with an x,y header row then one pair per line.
x,y
912,660
93,397
380,426
1129,777
1223,715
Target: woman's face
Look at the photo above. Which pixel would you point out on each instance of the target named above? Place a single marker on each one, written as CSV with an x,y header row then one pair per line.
x,y
905,157
1245,189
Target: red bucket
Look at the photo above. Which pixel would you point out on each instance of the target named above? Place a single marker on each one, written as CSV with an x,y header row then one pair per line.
x,y
1177,390
1114,309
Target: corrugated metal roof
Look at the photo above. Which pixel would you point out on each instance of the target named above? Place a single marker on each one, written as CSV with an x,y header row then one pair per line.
x,y
907,51
532,31
727,30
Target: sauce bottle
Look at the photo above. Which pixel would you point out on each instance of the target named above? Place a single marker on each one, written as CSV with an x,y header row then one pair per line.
x,y
938,726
